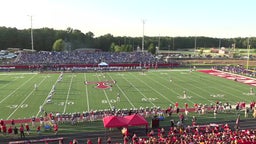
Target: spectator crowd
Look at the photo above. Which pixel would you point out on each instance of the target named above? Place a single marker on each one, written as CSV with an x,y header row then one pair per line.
x,y
83,57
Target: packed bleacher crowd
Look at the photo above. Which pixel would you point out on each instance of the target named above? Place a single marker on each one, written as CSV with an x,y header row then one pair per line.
x,y
237,69
83,57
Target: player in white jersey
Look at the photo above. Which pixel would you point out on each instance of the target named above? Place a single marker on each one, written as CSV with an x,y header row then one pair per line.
x,y
35,86
118,97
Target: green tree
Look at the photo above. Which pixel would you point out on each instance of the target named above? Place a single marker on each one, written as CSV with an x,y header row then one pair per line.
x,y
112,47
118,48
58,45
152,48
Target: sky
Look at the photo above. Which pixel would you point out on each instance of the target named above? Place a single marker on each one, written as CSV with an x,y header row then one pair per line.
x,y
213,18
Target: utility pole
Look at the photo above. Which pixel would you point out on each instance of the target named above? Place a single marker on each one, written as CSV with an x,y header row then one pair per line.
x,y
142,46
219,43
248,53
195,47
31,32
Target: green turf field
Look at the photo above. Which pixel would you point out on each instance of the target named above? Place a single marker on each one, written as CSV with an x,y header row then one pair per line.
x,y
19,99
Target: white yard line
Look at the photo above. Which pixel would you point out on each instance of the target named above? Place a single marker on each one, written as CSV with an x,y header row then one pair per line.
x,y
108,99
16,90
47,97
70,84
106,96
87,94
190,91
223,91
151,88
123,93
171,83
8,83
235,89
140,92
25,99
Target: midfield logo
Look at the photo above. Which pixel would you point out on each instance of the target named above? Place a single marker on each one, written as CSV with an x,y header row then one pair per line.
x,y
102,84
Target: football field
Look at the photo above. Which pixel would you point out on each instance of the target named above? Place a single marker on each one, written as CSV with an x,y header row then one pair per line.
x,y
79,92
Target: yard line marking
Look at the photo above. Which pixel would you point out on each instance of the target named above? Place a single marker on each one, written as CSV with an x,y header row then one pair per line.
x,y
123,93
17,89
169,87
87,94
218,73
25,99
202,90
106,97
139,91
47,96
225,92
154,90
8,83
70,84
192,85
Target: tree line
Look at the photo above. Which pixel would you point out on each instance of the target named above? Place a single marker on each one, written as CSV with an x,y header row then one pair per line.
x,y
48,39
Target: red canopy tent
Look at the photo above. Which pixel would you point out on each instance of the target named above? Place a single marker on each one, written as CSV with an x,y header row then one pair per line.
x,y
114,121
136,120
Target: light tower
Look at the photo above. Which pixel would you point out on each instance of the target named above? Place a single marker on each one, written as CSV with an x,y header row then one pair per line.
x,y
158,44
31,32
142,46
195,46
248,53
219,43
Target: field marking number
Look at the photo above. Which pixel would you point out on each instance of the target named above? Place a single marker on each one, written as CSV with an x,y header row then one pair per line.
x,y
149,99
16,106
63,103
110,101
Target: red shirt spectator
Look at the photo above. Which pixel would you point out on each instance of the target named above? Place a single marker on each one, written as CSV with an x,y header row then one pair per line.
x,y
22,131
27,128
186,106
55,128
99,140
89,141
12,122
10,130
2,122
176,104
4,129
38,129
126,140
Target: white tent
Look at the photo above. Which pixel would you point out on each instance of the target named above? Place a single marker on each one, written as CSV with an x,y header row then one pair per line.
x,y
103,64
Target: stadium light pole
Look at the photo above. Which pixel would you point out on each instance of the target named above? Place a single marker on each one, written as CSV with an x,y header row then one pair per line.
x,y
195,46
219,43
159,42
142,46
31,32
248,53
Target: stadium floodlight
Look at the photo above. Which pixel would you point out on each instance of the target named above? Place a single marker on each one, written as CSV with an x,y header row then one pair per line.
x,y
195,46
31,32
248,53
219,43
142,46
159,42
